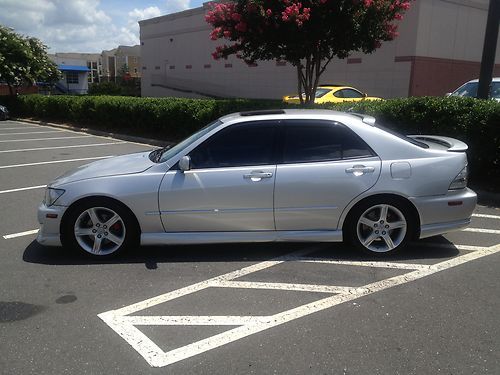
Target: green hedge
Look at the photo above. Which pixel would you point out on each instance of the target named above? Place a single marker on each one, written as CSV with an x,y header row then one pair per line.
x,y
477,122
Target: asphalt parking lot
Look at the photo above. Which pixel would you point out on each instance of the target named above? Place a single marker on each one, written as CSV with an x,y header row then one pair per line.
x,y
233,309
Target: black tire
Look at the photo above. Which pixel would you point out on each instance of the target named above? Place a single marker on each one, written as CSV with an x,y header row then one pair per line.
x,y
104,237
377,233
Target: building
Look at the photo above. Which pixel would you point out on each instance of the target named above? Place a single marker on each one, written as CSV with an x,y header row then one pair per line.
x,y
123,60
93,61
75,72
439,48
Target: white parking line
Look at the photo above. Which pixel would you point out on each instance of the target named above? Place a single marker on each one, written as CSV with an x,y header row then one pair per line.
x,y
22,189
124,325
45,139
47,131
487,216
53,162
19,128
59,147
27,233
480,230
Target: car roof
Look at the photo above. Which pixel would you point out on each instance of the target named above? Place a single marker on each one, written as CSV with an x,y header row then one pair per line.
x,y
294,113
494,79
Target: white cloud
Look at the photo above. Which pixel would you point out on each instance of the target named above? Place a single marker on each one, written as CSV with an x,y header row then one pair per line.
x,y
66,25
173,6
137,15
80,25
143,14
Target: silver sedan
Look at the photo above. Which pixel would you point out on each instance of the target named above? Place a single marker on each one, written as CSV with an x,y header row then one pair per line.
x,y
281,175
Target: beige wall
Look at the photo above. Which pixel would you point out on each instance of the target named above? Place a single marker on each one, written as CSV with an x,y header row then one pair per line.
x,y
176,53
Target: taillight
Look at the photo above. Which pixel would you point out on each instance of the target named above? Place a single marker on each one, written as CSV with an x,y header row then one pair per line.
x,y
460,182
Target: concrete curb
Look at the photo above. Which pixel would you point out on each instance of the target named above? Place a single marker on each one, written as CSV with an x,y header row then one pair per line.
x,y
124,137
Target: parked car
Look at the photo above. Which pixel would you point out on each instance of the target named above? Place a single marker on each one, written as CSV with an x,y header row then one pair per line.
x,y
469,89
279,175
4,113
334,94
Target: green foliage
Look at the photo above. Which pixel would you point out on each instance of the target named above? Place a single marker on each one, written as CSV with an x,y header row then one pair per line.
x,y
24,60
124,87
473,121
105,88
306,33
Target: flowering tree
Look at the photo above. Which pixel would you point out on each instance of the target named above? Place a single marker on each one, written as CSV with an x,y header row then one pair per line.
x,y
24,60
306,33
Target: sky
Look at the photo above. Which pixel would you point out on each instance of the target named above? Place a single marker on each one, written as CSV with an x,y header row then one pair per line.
x,y
85,25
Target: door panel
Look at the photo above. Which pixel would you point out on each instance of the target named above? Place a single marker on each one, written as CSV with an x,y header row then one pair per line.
x,y
312,196
218,199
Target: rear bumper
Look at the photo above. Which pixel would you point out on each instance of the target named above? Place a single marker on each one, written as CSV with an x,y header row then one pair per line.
x,y
49,233
445,213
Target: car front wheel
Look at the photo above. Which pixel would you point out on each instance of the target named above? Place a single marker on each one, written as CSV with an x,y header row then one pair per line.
x,y
99,227
381,228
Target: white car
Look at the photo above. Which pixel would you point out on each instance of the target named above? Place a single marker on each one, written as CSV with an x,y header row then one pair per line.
x,y
279,175
469,89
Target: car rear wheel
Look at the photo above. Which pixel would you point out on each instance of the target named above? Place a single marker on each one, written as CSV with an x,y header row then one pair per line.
x,y
100,228
381,227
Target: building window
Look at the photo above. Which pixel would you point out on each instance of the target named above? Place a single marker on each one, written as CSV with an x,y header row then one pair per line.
x,y
72,77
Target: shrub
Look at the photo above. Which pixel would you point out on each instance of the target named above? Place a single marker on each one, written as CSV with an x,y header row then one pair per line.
x,y
473,121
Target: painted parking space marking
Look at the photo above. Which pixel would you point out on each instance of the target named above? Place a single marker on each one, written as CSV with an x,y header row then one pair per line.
x,y
44,139
481,230
125,325
22,189
486,216
20,234
62,147
20,128
54,162
42,132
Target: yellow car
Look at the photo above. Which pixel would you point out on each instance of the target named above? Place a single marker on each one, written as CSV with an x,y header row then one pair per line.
x,y
334,94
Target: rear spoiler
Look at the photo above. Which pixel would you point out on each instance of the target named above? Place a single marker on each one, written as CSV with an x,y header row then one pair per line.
x,y
452,144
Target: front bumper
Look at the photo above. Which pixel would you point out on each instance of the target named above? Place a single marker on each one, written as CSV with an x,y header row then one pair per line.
x,y
445,213
49,233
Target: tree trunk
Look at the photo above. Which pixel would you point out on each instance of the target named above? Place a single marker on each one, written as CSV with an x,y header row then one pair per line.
x,y
10,89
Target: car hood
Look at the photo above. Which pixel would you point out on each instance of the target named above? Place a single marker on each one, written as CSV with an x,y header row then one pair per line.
x,y
118,165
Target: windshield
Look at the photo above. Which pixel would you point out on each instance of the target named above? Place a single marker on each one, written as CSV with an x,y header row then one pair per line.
x,y
470,90
321,92
168,152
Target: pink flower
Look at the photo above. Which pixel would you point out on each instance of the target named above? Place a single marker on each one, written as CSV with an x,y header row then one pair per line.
x,y
236,17
269,12
241,27
368,3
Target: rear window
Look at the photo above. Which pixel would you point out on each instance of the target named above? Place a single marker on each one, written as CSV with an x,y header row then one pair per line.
x,y
402,136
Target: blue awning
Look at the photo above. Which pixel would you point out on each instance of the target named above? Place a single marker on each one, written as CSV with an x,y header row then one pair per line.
x,y
73,68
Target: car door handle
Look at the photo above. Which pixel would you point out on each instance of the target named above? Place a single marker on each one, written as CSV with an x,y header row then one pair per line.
x,y
257,176
359,170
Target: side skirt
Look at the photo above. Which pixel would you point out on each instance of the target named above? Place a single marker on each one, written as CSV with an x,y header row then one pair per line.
x,y
185,238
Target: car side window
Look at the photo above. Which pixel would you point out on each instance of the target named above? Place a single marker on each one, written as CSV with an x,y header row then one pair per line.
x,y
318,140
339,93
350,93
250,143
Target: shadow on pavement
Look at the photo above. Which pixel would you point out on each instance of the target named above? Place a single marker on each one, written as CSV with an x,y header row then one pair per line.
x,y
247,252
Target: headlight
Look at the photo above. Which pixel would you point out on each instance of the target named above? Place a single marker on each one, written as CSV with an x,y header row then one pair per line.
x,y
460,182
52,195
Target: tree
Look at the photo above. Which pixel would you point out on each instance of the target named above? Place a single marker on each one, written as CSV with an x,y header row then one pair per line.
x,y
24,61
306,33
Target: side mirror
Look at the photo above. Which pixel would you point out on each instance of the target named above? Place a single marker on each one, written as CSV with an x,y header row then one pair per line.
x,y
447,94
185,163
365,95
